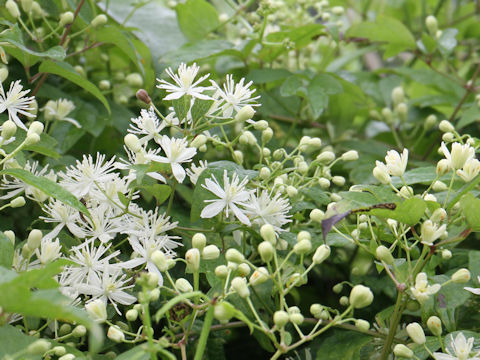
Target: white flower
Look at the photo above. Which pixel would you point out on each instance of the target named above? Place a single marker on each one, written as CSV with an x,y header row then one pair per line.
x,y
176,152
422,290
195,171
431,232
396,163
142,157
461,349
104,223
264,209
15,102
460,154
185,84
80,179
470,170
64,215
110,287
146,125
232,195
381,173
475,291
49,250
234,96
59,110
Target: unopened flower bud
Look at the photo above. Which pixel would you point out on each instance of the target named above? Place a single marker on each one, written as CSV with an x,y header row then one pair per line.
x,y
439,215
66,18
35,128
326,157
317,215
387,115
439,186
261,125
446,126
344,301
292,191
398,96
97,310
448,137
199,240
316,310
238,157
12,8
337,288
280,318
143,96
59,350
79,331
321,254
210,252
383,254
324,183
461,276
245,113
264,173
243,269
239,285
199,140
38,347
267,233
446,254
131,315
267,135
432,24
443,166
381,174
430,122
17,202
302,247
115,334
183,285
223,311
160,260
361,296
134,80
403,351
65,329
106,85
99,20
132,142
259,276
3,71
235,256
302,167
266,251
10,235
363,325
338,180
221,271
296,318
435,325
32,139
34,239
402,111
192,257
416,333
8,129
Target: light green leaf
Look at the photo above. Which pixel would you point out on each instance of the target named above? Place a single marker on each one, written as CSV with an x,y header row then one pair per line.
x,y
408,212
471,115
196,18
48,187
293,85
393,33
65,70
199,50
6,251
471,209
159,191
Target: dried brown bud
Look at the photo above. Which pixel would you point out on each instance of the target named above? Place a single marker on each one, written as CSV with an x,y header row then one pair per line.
x,y
142,95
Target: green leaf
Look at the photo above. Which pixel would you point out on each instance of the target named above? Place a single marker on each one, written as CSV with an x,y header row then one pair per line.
x,y
471,209
318,100
199,50
471,115
6,251
263,76
196,18
66,71
293,85
159,191
390,31
13,340
416,176
48,187
347,345
408,212
181,106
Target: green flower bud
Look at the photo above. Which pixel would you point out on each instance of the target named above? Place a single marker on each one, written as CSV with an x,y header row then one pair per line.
x,y
383,254
34,239
64,329
245,113
267,232
461,276
199,240
210,252
183,285
32,139
321,254
432,24
99,21
439,215
416,333
18,202
35,128
10,235
446,126
264,173
221,271
238,156
38,347
446,254
280,318
235,256
292,191
324,183
261,125
317,215
115,334
131,315
316,310
435,325
12,8
160,260
104,85
3,69
337,288
199,140
66,18
351,155
223,311
363,325
134,80
398,96
361,296
8,129
267,135
239,285
344,301
79,331
97,310
326,157
132,142
302,247
430,122
59,350
296,318
266,251
192,257
259,276
403,351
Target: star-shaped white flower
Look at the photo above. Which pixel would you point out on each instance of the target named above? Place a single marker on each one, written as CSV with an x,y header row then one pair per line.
x,y
15,102
422,290
461,349
234,96
396,163
231,196
459,156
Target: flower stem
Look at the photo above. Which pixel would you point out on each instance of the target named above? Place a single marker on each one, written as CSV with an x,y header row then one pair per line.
x,y
397,314
202,342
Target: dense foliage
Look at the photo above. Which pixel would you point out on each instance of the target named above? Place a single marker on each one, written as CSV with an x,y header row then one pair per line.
x,y
222,180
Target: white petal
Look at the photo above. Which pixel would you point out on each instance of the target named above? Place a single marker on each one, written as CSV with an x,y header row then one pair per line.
x,y
212,209
239,214
475,291
178,172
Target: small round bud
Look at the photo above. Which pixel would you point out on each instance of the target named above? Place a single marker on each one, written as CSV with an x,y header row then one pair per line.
x,y
134,80
199,140
315,142
143,96
439,215
8,129
430,122
296,318
398,96
317,215
266,152
435,325
461,276
324,183
280,318
292,191
245,113
115,334
351,155
383,254
446,126
321,254
160,260
264,173
79,331
238,156
17,202
243,269
338,180
59,350
235,256
337,288
344,301
439,186
416,333
432,24
239,285
34,239
12,8
304,235
32,139
203,148
302,247
97,310
10,235
131,315
221,271
105,85
65,329
183,285
261,125
99,21
267,135
199,240
35,128
132,142
223,311
192,257
266,251
446,254
259,276
363,325
38,347
316,310
210,252
66,18
326,157
278,154
302,167
403,351
448,137
361,296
